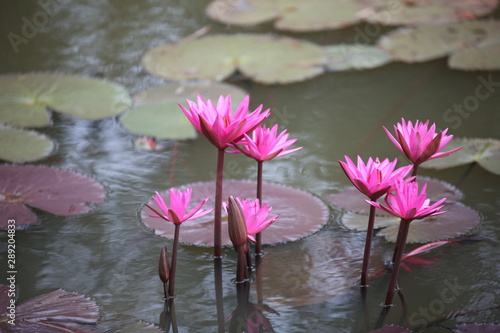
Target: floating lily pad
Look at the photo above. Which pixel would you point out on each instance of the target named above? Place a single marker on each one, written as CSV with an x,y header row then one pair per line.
x,y
263,58
359,222
420,12
243,12
57,311
158,115
477,328
482,57
141,327
356,56
436,41
26,98
392,329
58,191
486,152
20,146
301,214
458,220
351,199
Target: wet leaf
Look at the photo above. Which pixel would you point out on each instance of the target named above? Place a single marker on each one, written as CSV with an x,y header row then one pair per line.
x,y
486,152
20,146
359,222
58,191
301,214
483,57
477,328
242,12
263,58
392,329
141,327
26,98
439,40
355,56
57,311
458,220
157,113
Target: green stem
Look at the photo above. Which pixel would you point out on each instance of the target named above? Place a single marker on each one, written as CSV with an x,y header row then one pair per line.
x,y
398,254
368,247
218,205
171,283
258,236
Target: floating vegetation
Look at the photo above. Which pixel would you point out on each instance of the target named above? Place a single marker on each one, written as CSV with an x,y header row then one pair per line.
x,y
21,146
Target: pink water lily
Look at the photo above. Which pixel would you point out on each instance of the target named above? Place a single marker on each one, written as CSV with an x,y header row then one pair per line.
x,y
218,123
407,203
420,142
264,144
179,202
256,217
374,178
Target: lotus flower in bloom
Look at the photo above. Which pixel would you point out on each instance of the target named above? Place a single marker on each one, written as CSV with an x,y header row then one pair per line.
x,y
407,203
420,142
219,124
374,178
179,202
264,144
256,217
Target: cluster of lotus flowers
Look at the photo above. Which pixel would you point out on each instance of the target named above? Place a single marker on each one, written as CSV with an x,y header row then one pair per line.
x,y
241,131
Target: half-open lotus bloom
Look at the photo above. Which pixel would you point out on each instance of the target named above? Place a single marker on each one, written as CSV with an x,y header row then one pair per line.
x,y
256,217
179,202
374,178
219,124
407,203
420,142
264,144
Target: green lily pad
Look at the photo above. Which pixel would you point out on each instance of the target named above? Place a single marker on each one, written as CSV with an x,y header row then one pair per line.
x,y
486,152
356,56
359,222
263,58
20,146
436,41
301,214
242,12
420,12
26,98
482,57
158,115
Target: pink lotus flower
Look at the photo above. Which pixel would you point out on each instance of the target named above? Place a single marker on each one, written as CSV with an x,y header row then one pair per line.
x,y
265,144
179,202
420,143
219,124
405,202
375,178
256,217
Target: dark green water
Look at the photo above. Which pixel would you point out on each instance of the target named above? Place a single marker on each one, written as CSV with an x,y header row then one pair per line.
x,y
109,256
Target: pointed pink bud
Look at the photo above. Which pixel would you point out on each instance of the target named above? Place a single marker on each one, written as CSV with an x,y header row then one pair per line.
x,y
164,265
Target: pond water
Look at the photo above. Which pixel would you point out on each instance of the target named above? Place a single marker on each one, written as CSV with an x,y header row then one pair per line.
x,y
111,257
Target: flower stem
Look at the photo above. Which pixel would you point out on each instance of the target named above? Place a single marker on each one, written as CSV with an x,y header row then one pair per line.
x,y
241,265
414,171
398,255
171,283
368,247
218,205
258,237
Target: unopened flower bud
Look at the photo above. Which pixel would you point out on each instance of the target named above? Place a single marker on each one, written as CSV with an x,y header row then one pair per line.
x,y
236,223
164,265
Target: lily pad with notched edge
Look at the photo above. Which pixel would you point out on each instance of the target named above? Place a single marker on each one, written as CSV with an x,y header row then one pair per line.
x,y
301,214
57,191
26,98
57,311
20,146
477,328
483,57
263,58
158,115
356,56
486,152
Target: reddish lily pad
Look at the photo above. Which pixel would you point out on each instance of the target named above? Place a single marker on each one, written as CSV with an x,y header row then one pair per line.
x,y
20,146
57,311
352,200
477,328
26,98
58,191
485,152
301,214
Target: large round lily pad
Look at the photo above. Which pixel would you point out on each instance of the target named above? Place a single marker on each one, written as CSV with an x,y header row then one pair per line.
x,y
20,146
486,152
484,57
56,311
157,113
58,191
263,58
243,12
26,98
301,214
436,41
355,56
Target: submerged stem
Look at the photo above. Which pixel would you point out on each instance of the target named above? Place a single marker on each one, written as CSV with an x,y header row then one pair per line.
x,y
368,247
218,205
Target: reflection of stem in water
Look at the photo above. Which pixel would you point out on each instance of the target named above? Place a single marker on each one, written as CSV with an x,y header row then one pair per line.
x,y
167,317
219,293
404,315
258,268
466,173
366,310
